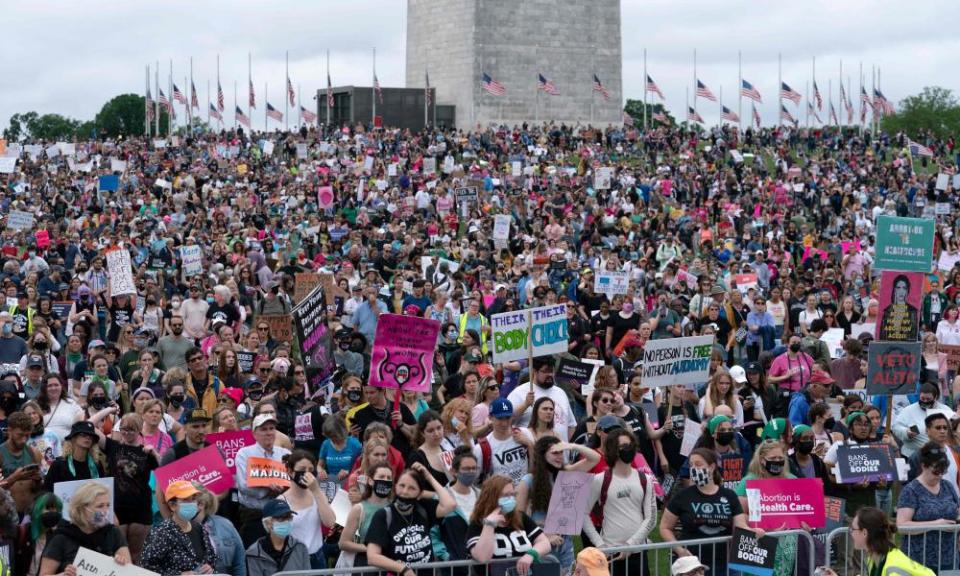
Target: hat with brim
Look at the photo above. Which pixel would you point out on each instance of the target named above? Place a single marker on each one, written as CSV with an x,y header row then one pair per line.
x,y
686,565
82,428
181,489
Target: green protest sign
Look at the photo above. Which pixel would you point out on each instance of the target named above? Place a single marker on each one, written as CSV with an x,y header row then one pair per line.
x,y
904,244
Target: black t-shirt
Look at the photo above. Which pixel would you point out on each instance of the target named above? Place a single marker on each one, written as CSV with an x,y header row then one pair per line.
x,y
672,440
131,468
706,516
369,415
598,325
621,325
120,317
405,539
226,314
723,328
67,540
60,472
509,542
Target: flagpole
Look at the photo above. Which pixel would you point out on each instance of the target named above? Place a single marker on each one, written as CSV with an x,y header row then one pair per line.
x,y
879,116
739,90
146,103
328,88
841,90
219,91
266,104
235,105
536,110
815,87
779,89
192,92
156,101
849,119
299,107
645,89
373,91
208,103
873,91
721,104
426,104
809,104
686,112
286,97
694,84
170,99
249,85
860,97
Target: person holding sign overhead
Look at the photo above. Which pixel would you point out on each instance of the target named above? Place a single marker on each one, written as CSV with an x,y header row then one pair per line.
x,y
180,544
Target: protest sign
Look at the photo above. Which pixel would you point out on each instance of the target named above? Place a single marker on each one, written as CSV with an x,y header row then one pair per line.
x,y
568,503
402,355
120,273
574,375
19,220
942,208
785,502
264,473
316,342
65,490
943,180
947,260
341,506
501,230
245,361
611,282
43,239
858,463
834,341
7,165
732,465
900,299
544,329
834,512
108,183
603,178
325,197
281,326
676,361
904,244
330,289
229,443
117,165
192,258
62,307
304,283
205,466
302,151
90,563
953,355
466,194
864,328
691,433
752,555
430,165
745,282
893,367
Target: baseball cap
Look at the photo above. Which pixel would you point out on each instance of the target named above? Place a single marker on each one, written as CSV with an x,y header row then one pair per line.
x,y
197,415
753,367
738,374
234,394
96,344
501,408
35,361
592,561
608,423
263,419
686,565
472,358
499,287
277,509
180,489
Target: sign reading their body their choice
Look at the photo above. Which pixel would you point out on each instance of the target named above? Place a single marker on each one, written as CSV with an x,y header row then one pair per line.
x,y
787,503
546,330
904,244
611,282
676,361
568,503
893,367
205,466
752,555
901,296
865,463
402,354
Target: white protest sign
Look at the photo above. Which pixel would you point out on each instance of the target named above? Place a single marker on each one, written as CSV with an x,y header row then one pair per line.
x,y
834,340
341,506
672,361
611,282
19,220
192,260
53,151
447,164
65,491
120,273
947,260
34,150
8,164
430,165
159,144
501,230
90,563
603,178
117,165
516,168
391,170
691,433
943,180
942,208
67,149
302,150
546,328
268,148
368,164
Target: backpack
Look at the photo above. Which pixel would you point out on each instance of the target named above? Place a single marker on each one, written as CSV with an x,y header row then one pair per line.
x,y
486,456
596,514
389,512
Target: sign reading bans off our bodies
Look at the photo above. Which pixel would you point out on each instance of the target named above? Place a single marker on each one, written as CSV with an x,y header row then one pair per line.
x,y
676,361
546,328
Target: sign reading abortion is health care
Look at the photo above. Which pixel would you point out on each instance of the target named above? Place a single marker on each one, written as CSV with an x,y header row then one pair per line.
x,y
546,328
676,361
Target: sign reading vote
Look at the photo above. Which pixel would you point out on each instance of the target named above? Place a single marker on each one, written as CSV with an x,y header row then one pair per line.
x,y
865,463
676,361
893,367
546,328
904,243
784,504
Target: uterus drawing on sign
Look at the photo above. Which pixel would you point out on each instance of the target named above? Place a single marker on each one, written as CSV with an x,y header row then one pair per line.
x,y
405,369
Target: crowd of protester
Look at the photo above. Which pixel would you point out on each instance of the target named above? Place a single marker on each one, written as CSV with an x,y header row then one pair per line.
x,y
96,384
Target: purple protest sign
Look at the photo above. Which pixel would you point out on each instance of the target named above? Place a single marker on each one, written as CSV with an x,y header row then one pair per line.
x,y
402,355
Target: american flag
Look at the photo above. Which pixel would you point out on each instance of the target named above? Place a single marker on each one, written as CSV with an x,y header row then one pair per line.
x,y
253,98
817,96
426,90
692,115
729,115
214,113
885,106
547,86
748,91
756,116
918,149
652,87
846,104
219,97
704,92
661,118
789,93
194,101
166,103
627,119
786,115
864,98
291,94
812,110
274,113
833,115
178,95
329,93
148,101
599,87
308,116
491,86
241,117
376,87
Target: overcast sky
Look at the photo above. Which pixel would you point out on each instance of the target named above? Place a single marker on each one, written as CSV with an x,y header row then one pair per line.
x,y
71,57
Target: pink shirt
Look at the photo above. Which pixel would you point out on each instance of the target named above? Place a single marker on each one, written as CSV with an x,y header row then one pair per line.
x,y
783,364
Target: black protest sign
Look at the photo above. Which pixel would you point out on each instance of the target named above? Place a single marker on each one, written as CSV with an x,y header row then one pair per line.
x,y
573,373
752,555
316,341
466,194
865,463
893,367
245,361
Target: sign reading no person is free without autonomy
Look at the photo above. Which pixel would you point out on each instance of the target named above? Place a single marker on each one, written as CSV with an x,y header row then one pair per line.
x,y
676,361
904,244
546,328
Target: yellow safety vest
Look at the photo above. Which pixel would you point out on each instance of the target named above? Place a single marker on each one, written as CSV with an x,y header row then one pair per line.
x,y
899,564
483,336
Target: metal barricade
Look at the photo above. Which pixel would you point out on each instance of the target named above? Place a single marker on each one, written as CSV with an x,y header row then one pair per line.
x,y
652,559
933,546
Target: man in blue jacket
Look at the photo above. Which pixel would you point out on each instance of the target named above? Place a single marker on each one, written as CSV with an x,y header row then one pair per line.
x,y
817,390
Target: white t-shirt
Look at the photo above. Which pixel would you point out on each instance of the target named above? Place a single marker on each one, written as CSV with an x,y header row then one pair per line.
x,y
507,458
563,418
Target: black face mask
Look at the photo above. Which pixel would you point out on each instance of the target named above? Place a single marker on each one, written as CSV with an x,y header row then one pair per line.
x,y
50,519
795,347
382,488
774,467
724,438
627,454
9,404
298,479
927,405
255,395
98,402
38,345
805,446
177,400
403,503
829,423
354,395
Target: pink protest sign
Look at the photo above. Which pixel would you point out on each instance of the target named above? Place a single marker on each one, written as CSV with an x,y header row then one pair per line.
x,y
230,443
402,355
205,466
846,245
43,239
325,196
785,504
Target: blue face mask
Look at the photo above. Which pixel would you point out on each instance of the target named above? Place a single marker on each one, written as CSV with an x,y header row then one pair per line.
x,y
8,328
188,510
507,504
281,529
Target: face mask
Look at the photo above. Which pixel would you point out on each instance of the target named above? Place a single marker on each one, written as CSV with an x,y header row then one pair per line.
x,y
774,467
255,395
403,503
210,300
344,346
298,479
455,422
548,383
626,454
8,328
829,423
98,402
281,529
50,519
467,478
39,344
99,519
700,476
452,334
354,395
805,446
382,488
188,510
926,405
176,400
724,438
175,304
794,347
507,504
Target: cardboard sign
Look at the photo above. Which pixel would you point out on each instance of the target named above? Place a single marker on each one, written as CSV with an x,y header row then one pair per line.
x,y
864,463
229,443
501,230
568,503
205,466
281,326
546,328
402,354
65,491
330,289
192,258
304,284
893,367
611,282
573,374
120,273
784,504
953,355
901,294
672,361
264,473
904,244
752,555
90,563
19,220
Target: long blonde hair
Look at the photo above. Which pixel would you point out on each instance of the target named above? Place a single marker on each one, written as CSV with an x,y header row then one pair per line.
x,y
756,465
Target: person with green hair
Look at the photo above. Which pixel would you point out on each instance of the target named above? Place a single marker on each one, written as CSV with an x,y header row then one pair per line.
x,y
45,515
